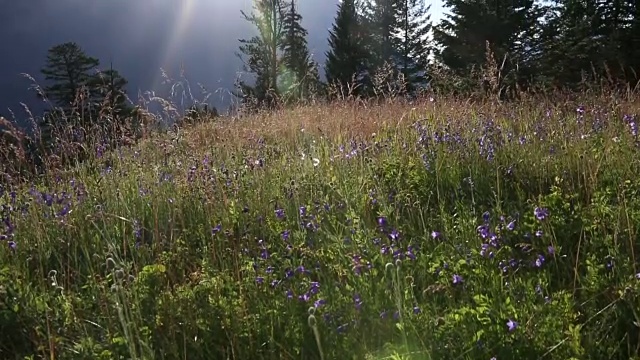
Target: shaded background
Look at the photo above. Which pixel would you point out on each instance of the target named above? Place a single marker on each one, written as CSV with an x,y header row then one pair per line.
x,y
140,37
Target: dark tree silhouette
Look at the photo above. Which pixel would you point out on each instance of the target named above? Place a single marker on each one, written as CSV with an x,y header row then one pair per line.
x,y
108,88
347,56
588,38
68,69
413,42
510,27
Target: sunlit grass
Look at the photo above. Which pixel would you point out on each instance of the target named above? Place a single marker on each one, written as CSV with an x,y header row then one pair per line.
x,y
427,230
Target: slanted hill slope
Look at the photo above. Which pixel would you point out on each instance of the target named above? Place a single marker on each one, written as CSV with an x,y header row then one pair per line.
x,y
435,229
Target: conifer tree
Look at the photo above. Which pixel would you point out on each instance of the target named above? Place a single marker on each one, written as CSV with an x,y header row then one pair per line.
x,y
109,90
510,27
412,41
299,75
346,59
571,44
587,38
618,18
631,42
262,53
381,19
68,69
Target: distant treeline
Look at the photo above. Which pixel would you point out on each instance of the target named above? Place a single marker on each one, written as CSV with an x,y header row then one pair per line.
x,y
391,47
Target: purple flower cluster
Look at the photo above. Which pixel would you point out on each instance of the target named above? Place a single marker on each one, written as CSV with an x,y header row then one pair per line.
x,y
632,124
494,238
395,246
56,205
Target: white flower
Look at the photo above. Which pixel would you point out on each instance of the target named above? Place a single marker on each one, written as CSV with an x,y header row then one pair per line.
x,y
316,162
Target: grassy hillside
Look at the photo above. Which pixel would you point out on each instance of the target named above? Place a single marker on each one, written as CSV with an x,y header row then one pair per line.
x,y
441,229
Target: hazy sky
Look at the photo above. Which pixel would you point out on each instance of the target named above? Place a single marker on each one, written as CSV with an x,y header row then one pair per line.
x,y
140,37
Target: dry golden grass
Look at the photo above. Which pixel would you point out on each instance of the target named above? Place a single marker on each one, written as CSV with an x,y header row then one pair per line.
x,y
336,121
354,119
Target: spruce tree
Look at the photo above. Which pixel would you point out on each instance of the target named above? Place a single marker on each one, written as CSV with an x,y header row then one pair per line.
x,y
109,92
412,41
572,44
299,76
68,69
510,27
618,18
381,19
262,53
630,43
591,38
346,59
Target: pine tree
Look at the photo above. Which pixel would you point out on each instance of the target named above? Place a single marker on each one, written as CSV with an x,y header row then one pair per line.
x,y
68,68
299,76
346,58
630,42
109,92
617,18
413,42
591,39
572,43
262,52
510,27
381,19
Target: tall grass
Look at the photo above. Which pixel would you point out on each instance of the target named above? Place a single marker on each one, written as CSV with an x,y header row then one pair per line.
x,y
433,229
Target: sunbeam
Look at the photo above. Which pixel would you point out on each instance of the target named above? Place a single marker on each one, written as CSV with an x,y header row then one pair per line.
x,y
177,33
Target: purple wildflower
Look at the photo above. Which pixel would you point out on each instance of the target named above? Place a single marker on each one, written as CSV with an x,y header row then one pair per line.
x,y
483,231
541,213
357,301
457,279
315,287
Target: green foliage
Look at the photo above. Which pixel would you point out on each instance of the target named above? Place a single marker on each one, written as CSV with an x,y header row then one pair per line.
x,y
299,76
347,57
414,46
510,236
397,40
586,41
262,52
506,29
